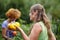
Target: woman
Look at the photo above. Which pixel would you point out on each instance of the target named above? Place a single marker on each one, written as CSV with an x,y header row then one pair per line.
x,y
41,29
12,14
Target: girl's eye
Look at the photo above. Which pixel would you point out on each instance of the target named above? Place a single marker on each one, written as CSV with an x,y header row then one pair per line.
x,y
32,12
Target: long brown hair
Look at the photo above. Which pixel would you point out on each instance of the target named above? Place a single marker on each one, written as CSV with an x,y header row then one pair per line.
x,y
41,15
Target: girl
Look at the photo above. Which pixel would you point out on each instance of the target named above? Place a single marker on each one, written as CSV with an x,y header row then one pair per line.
x,y
41,29
12,14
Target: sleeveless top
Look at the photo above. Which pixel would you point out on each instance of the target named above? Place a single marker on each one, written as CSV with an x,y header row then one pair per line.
x,y
43,35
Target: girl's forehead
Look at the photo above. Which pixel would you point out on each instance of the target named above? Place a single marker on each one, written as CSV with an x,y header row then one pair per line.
x,y
31,10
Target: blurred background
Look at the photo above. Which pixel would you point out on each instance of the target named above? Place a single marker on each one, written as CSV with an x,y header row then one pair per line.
x,y
52,10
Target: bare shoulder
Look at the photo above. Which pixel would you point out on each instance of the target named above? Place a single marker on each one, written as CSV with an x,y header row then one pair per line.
x,y
36,30
37,26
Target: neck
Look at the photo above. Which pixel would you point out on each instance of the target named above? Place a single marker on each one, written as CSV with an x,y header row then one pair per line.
x,y
34,21
9,20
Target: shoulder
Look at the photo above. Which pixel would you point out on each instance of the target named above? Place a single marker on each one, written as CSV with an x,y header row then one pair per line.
x,y
37,26
4,24
36,30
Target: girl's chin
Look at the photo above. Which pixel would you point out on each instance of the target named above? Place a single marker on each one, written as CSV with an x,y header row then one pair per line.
x,y
30,19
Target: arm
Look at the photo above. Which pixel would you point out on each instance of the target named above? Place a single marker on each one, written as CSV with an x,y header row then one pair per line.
x,y
25,37
34,33
4,29
36,30
4,33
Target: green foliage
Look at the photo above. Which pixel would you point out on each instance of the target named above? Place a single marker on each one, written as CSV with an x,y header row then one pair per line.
x,y
52,9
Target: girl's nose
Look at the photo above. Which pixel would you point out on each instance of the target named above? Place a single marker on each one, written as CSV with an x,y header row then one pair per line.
x,y
29,14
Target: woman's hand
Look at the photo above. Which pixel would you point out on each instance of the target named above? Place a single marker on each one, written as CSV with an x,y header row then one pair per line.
x,y
18,28
25,37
